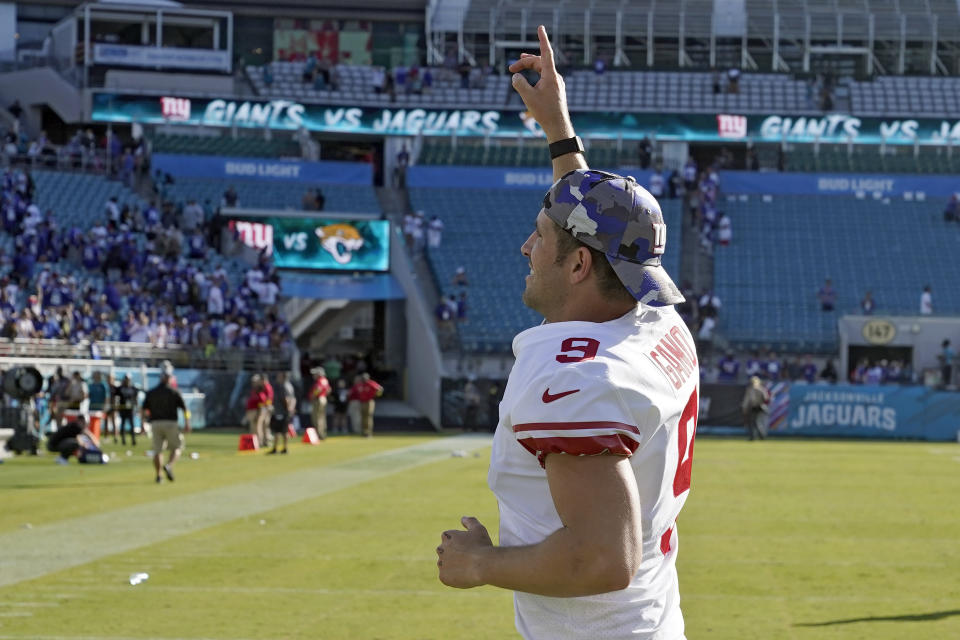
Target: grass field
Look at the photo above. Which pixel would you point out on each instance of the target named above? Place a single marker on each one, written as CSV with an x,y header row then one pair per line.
x,y
785,539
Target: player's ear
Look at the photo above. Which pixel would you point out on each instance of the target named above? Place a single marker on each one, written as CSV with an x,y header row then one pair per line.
x,y
581,265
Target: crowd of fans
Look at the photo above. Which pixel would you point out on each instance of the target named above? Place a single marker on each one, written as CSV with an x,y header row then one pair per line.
x,y
135,275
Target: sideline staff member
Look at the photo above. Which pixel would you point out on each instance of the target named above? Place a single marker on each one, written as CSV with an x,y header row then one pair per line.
x,y
160,408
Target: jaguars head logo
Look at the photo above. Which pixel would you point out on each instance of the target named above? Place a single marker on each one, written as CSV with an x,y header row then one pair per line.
x,y
340,241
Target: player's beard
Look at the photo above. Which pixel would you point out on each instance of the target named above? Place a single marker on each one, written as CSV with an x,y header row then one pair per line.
x,y
543,294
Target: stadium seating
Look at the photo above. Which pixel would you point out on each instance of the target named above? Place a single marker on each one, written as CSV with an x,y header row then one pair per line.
x,y
355,88
243,147
783,250
274,195
78,199
906,97
484,229
654,91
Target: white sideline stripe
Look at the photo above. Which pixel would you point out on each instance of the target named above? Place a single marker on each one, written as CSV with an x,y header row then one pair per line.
x,y
45,549
106,638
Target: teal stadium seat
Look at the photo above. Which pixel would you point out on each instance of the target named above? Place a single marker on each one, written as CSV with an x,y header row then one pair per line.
x,y
782,251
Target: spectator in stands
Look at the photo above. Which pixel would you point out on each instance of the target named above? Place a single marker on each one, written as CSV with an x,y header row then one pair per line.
x,y
773,367
400,168
926,301
645,152
827,296
464,70
435,232
400,78
599,67
656,182
946,357
268,75
309,200
755,365
729,368
717,86
690,173
414,82
674,184
462,307
709,305
724,230
192,217
867,305
309,69
952,211
808,370
427,80
896,373
460,277
733,80
753,159
876,374
230,198
829,372
378,79
15,109
320,198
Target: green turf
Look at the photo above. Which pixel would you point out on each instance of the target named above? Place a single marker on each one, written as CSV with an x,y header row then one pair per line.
x,y
789,539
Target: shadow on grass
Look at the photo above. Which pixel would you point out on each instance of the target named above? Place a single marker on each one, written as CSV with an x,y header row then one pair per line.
x,y
915,617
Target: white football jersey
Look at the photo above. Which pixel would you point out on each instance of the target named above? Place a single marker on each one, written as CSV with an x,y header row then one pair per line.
x,y
628,387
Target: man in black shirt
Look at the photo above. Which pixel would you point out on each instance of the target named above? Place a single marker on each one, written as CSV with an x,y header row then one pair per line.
x,y
160,408
125,403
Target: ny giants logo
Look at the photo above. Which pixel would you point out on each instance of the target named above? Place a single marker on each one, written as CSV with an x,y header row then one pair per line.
x,y
177,109
731,126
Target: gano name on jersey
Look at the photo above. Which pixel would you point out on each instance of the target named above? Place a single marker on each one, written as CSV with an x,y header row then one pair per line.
x,y
627,387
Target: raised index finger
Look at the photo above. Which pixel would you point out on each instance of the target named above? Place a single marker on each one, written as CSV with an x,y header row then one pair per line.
x,y
546,52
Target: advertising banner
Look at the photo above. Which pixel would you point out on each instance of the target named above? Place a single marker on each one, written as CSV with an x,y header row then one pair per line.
x,y
829,184
319,243
170,57
412,121
326,171
871,412
732,182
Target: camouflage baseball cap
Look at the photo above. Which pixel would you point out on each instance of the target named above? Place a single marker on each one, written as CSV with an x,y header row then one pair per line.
x,y
615,215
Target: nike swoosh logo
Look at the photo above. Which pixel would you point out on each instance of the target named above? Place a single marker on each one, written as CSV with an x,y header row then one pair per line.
x,y
550,397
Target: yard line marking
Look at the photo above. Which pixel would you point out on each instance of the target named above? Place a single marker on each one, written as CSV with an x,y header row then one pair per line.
x,y
42,550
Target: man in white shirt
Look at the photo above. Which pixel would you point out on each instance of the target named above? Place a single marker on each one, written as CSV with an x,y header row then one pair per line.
x,y
435,232
926,302
593,452
215,301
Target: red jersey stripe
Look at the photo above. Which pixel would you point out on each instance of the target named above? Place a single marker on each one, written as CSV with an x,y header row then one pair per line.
x,y
614,443
568,426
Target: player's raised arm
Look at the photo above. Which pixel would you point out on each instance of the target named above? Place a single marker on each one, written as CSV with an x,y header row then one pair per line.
x,y
547,103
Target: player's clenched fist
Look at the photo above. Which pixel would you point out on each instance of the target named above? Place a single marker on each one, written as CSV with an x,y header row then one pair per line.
x,y
460,554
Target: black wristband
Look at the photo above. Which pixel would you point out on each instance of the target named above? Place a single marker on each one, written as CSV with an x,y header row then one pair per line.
x,y
565,146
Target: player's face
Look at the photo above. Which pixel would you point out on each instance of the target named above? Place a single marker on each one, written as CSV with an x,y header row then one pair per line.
x,y
546,289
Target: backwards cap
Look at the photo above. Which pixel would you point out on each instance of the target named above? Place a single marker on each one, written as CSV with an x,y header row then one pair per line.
x,y
615,215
